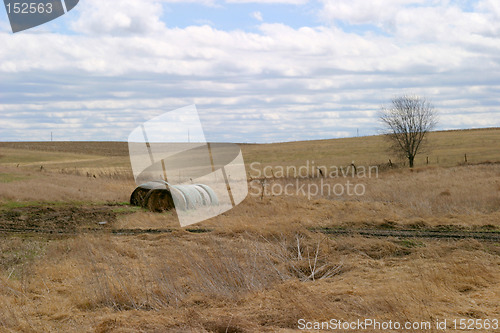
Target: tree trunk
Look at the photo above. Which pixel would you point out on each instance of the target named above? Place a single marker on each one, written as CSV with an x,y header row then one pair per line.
x,y
410,160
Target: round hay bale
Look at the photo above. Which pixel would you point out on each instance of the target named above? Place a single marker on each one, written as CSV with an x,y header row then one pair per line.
x,y
158,196
213,197
159,200
179,198
137,197
206,200
193,196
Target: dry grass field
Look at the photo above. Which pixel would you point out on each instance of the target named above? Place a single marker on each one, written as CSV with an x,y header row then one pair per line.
x,y
74,257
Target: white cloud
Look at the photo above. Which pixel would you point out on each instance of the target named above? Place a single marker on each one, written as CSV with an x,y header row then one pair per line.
x,y
258,16
279,83
419,21
124,17
377,12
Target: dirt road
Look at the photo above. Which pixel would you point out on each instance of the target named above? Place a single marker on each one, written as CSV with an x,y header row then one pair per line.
x,y
72,219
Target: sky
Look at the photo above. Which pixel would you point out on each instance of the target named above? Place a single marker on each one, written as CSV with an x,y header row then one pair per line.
x,y
257,70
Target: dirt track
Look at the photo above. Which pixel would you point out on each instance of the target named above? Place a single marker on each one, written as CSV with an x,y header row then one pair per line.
x,y
414,233
72,219
53,219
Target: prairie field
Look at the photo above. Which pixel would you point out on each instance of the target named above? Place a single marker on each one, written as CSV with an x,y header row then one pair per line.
x,y
417,245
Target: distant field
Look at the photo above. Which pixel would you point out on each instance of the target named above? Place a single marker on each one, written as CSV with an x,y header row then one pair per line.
x,y
84,147
443,149
447,148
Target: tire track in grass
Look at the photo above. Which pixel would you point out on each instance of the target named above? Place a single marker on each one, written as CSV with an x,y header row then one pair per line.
x,y
414,233
74,220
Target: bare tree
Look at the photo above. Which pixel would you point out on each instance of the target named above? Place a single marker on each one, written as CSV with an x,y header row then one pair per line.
x,y
407,122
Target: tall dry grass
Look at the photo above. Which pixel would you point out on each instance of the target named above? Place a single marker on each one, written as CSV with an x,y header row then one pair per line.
x,y
431,194
439,191
245,283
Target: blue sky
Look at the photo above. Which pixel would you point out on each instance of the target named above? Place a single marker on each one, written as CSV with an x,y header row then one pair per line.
x,y
243,16
258,71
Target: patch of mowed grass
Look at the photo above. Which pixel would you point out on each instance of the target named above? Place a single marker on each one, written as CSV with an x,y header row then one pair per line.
x,y
125,209
121,207
9,205
9,178
34,155
24,156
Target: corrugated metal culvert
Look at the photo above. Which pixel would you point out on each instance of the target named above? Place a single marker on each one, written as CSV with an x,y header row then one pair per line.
x,y
159,195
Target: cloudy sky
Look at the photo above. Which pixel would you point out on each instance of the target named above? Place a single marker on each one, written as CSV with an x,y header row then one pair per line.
x,y
258,71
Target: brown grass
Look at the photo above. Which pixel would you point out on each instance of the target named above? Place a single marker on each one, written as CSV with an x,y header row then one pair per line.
x,y
261,268
86,148
248,283
43,185
444,149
